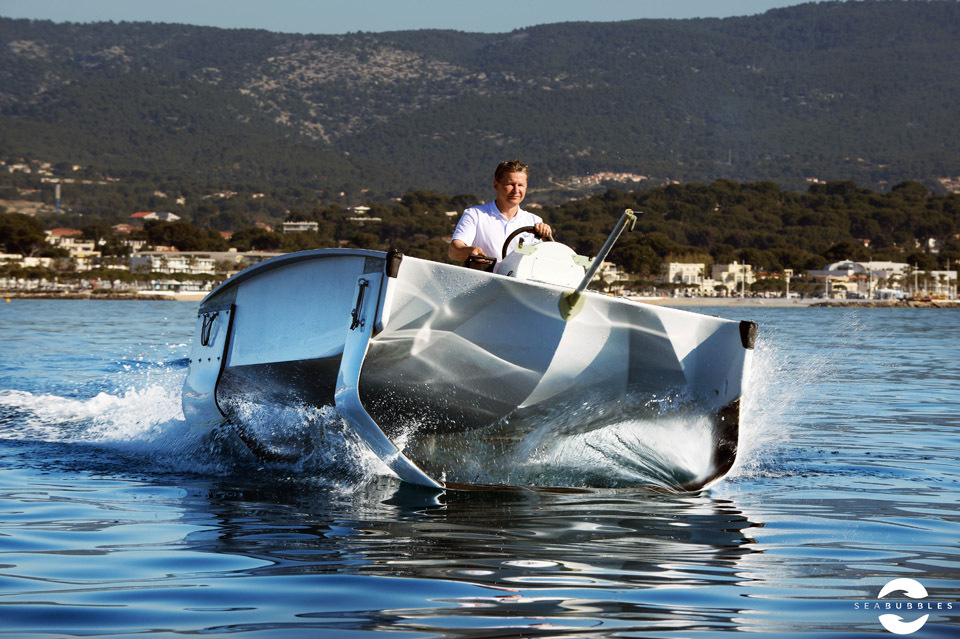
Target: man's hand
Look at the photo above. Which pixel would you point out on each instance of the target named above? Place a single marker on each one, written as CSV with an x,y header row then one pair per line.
x,y
459,251
544,230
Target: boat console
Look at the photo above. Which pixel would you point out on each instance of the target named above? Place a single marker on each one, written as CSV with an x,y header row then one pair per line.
x,y
546,262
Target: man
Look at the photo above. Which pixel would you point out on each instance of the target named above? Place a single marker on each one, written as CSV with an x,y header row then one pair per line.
x,y
483,229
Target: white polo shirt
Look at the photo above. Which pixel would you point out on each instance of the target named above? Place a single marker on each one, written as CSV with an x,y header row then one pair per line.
x,y
485,226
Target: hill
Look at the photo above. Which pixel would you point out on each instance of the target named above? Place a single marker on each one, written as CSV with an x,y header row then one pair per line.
x,y
865,91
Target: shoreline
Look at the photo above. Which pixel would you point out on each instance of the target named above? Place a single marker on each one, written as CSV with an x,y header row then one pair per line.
x,y
795,303
169,296
164,296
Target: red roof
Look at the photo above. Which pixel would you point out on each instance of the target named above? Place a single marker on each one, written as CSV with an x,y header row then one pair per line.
x,y
61,232
143,214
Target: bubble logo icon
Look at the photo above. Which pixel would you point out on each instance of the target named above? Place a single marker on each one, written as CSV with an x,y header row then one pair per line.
x,y
895,623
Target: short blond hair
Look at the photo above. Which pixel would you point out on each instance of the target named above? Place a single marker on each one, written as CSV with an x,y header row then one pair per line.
x,y
510,166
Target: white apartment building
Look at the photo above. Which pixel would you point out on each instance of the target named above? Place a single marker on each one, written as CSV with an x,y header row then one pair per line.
x,y
196,262
173,262
681,273
300,227
692,276
83,252
613,277
735,278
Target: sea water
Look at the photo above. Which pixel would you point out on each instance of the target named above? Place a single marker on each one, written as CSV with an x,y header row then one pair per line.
x,y
119,520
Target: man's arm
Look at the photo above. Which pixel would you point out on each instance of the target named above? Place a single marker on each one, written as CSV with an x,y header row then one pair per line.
x,y
466,231
459,251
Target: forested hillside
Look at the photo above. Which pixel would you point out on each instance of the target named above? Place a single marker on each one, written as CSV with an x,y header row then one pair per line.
x,y
866,91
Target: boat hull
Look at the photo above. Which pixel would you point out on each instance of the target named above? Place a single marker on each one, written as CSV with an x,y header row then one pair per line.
x,y
476,376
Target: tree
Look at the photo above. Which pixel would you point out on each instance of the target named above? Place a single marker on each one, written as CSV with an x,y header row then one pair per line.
x,y
97,231
182,235
910,190
848,250
769,284
365,240
256,239
21,234
922,261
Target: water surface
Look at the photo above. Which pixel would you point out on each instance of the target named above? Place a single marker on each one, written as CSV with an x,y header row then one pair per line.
x,y
116,519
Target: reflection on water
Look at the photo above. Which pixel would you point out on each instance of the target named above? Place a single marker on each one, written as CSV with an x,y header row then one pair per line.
x,y
545,561
494,537
272,551
266,550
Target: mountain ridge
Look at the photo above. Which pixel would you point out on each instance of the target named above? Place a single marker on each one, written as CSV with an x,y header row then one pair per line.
x,y
860,91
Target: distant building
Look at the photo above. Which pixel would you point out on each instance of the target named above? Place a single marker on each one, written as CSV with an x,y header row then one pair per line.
x,y
682,273
929,245
733,277
300,227
196,262
604,176
82,251
135,245
941,284
55,236
153,215
862,279
20,260
950,184
165,262
614,278
692,277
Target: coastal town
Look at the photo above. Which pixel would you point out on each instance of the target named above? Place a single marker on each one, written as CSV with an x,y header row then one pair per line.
x,y
174,252
168,273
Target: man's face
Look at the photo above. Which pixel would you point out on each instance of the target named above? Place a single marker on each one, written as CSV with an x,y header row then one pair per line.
x,y
511,187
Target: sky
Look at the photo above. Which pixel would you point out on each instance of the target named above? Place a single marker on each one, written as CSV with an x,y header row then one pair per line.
x,y
346,16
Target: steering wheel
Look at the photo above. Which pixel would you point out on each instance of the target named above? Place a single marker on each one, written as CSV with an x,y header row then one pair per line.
x,y
524,229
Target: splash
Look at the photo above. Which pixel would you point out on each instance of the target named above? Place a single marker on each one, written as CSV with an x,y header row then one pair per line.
x,y
598,439
592,444
131,414
665,452
140,427
313,440
776,384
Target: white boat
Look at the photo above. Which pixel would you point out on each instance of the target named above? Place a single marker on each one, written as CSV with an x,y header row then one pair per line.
x,y
442,369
